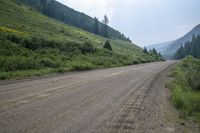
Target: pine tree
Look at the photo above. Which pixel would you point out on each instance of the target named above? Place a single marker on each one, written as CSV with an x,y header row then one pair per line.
x,y
155,52
107,45
105,22
159,54
96,26
145,51
190,48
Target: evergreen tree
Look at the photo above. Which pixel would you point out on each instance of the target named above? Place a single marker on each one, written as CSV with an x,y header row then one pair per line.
x,y
154,52
105,22
49,10
56,10
190,48
145,50
96,26
107,45
159,55
82,22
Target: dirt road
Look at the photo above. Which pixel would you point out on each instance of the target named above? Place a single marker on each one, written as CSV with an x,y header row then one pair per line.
x,y
125,99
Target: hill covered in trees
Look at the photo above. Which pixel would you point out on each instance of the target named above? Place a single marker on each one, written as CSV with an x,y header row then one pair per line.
x,y
58,11
34,44
168,49
189,48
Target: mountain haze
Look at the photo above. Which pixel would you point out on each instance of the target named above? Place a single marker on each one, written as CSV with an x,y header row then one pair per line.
x,y
160,47
168,49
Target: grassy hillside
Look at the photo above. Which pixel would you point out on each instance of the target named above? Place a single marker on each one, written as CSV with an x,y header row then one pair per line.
x,y
33,44
186,87
54,9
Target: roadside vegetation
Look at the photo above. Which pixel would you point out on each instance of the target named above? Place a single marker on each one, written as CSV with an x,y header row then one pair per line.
x,y
32,44
28,56
186,87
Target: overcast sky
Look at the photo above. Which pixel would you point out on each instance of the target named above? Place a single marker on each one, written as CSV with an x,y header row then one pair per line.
x,y
144,21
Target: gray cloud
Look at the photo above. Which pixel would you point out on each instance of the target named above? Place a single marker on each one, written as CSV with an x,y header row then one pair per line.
x,y
144,21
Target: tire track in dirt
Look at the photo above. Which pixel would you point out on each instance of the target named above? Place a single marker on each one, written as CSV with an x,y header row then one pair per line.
x,y
124,120
110,101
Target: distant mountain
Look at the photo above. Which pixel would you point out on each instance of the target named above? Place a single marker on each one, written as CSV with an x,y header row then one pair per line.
x,y
160,47
190,48
168,49
58,11
172,48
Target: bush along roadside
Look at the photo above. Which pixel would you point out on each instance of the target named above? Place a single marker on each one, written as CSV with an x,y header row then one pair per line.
x,y
186,88
23,55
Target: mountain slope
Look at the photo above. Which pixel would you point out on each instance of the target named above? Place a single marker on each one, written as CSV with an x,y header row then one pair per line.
x,y
168,49
58,11
172,48
160,47
34,44
191,48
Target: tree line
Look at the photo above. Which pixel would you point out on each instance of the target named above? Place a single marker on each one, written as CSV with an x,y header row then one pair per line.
x,y
189,48
153,52
56,10
104,29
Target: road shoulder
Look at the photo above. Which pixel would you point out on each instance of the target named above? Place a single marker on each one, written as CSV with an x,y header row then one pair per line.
x,y
157,114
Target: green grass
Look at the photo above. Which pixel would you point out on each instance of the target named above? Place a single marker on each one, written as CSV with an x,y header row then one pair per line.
x,y
32,44
186,88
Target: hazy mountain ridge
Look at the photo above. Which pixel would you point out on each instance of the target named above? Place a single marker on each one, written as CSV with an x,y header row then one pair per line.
x,y
188,37
160,47
168,49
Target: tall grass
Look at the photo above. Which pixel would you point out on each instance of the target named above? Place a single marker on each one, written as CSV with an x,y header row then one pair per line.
x,y
33,44
28,54
185,87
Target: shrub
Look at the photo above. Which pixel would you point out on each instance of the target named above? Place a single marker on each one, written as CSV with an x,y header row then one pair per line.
x,y
14,38
82,66
185,87
8,49
24,54
107,45
177,97
193,78
32,43
13,63
87,47
47,62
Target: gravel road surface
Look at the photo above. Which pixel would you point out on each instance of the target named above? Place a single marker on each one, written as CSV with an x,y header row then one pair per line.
x,y
123,99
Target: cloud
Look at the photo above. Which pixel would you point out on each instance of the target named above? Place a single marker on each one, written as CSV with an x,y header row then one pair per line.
x,y
94,8
98,8
144,21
